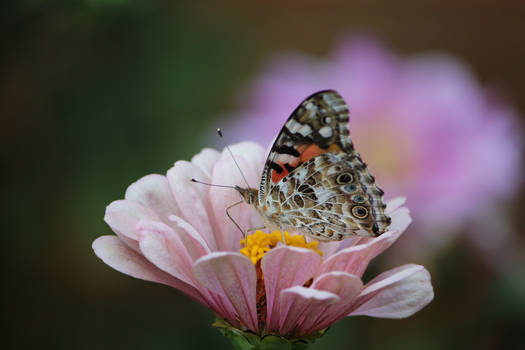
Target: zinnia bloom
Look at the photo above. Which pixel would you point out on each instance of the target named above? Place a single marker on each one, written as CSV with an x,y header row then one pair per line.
x,y
172,231
424,126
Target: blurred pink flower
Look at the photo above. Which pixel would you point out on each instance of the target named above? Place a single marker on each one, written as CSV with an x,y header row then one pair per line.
x,y
172,231
424,126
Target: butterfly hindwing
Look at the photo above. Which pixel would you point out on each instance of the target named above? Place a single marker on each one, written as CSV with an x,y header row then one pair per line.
x,y
331,197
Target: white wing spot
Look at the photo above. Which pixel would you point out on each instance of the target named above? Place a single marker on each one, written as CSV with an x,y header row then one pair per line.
x,y
286,158
305,130
301,173
284,187
322,194
339,108
293,126
325,131
330,98
332,171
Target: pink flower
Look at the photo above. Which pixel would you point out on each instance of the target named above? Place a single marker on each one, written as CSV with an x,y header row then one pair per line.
x,y
424,126
172,231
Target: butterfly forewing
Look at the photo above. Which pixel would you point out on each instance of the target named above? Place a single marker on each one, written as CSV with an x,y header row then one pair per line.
x,y
318,125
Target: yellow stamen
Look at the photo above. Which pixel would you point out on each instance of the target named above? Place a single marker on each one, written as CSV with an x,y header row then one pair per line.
x,y
254,246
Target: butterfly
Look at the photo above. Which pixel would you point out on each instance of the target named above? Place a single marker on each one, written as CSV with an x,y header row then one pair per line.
x,y
314,181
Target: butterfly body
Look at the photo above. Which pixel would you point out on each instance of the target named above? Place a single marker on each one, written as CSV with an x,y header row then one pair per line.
x,y
314,181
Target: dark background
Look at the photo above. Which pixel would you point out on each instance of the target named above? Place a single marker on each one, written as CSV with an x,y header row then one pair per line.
x,y
95,94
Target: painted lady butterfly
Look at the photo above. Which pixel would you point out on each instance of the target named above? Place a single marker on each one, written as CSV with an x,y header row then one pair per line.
x,y
314,181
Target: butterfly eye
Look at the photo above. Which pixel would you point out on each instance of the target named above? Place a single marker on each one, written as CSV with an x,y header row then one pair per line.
x,y
344,178
326,120
350,188
359,212
358,198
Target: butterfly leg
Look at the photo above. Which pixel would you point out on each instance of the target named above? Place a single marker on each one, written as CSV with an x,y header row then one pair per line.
x,y
282,235
230,217
255,228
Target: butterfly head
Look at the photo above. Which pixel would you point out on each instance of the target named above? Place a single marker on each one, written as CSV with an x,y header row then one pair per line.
x,y
248,194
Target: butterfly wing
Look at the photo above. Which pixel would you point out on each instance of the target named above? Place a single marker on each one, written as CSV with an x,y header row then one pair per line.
x,y
330,197
318,125
316,180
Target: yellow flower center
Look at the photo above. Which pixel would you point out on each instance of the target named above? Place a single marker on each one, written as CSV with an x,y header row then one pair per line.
x,y
254,246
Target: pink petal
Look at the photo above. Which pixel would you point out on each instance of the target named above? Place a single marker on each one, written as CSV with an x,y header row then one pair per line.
x,y
298,304
119,256
183,246
167,248
153,192
355,259
400,220
192,199
123,215
397,293
330,248
284,267
395,203
342,284
192,240
163,248
233,276
205,160
250,158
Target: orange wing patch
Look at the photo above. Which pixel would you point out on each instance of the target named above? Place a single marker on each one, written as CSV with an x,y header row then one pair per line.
x,y
276,177
312,150
307,152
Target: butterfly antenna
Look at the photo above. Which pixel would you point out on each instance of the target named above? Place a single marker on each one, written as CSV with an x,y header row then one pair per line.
x,y
208,184
227,209
231,153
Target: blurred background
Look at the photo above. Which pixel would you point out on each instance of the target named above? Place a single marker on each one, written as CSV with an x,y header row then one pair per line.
x,y
95,94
